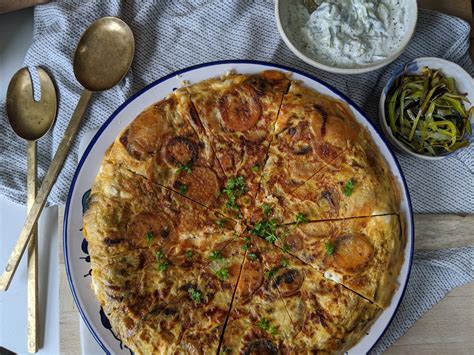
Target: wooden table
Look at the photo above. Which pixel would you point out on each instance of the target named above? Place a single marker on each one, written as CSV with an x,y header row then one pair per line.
x,y
448,328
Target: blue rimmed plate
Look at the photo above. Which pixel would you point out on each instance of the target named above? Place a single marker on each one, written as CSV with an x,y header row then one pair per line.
x,y
76,255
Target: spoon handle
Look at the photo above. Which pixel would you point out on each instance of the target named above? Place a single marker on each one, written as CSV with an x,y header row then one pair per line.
x,y
43,193
32,252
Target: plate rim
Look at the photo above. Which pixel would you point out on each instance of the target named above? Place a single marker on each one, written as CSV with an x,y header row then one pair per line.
x,y
210,64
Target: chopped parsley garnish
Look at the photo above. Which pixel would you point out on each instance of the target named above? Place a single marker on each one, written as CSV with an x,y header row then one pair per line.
x,y
246,245
264,324
221,222
285,263
222,274
266,229
271,273
252,256
286,248
301,218
189,254
255,168
329,248
267,209
349,187
163,264
183,189
195,295
185,167
216,255
226,350
149,237
234,188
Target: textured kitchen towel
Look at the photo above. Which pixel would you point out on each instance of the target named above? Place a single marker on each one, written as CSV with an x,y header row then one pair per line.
x,y
172,35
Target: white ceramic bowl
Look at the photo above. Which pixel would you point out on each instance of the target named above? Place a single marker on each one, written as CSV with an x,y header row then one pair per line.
x,y
282,10
464,84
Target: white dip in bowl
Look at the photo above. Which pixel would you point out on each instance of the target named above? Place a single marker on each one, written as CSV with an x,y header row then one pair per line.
x,y
347,34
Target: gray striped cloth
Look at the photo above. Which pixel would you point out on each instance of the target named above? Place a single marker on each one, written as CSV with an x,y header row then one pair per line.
x,y
172,35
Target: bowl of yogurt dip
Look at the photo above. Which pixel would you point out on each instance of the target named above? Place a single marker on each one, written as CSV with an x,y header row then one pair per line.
x,y
346,36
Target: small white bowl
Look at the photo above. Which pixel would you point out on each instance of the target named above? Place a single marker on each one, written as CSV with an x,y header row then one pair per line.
x,y
282,10
464,84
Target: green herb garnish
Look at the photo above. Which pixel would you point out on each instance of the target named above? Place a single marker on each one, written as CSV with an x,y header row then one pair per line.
x,y
252,256
266,229
234,188
246,245
349,187
286,248
271,273
255,168
185,167
267,209
162,263
222,274
195,295
301,218
189,254
329,248
216,255
149,237
221,222
264,324
183,189
285,263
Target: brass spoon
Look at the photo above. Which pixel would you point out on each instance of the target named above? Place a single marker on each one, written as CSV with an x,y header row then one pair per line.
x,y
102,58
31,120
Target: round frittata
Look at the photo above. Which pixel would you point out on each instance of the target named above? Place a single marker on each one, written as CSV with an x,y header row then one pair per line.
x,y
246,214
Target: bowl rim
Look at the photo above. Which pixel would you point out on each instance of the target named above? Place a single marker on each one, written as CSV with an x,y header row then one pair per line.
x,y
383,97
338,70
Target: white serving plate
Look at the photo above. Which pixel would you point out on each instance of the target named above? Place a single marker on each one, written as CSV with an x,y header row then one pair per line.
x,y
75,247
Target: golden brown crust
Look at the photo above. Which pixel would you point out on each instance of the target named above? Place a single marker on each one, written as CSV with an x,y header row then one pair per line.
x,y
174,265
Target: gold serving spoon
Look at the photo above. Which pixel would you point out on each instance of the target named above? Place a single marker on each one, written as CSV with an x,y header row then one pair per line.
x,y
102,58
31,120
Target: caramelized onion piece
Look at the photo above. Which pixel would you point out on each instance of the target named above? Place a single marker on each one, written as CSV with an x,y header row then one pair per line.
x,y
202,184
240,108
352,253
180,151
288,281
261,347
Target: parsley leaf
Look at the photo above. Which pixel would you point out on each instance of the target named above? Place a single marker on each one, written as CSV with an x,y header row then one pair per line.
x,y
349,188
271,273
286,248
301,218
189,254
183,189
264,324
234,188
266,229
267,209
216,255
255,168
221,222
329,248
285,263
163,264
222,274
252,256
246,245
149,237
195,295
185,167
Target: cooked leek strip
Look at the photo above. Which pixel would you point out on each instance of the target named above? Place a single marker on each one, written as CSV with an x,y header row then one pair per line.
x,y
426,113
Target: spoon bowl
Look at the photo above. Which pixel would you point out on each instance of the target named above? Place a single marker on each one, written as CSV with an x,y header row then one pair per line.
x,y
31,119
104,54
